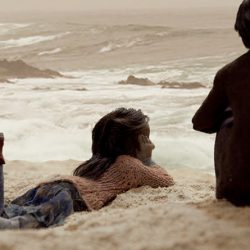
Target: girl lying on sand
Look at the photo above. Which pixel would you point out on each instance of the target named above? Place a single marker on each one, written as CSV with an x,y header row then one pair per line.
x,y
121,160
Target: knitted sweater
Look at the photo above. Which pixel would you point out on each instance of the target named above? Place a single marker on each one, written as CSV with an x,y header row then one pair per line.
x,y
125,173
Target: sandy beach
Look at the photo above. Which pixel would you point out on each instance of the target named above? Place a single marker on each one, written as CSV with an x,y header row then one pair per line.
x,y
48,121
185,216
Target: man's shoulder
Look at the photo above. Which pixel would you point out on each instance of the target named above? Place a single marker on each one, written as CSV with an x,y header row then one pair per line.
x,y
234,65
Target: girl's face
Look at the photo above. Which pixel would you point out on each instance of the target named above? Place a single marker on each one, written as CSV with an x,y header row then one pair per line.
x,y
133,141
146,131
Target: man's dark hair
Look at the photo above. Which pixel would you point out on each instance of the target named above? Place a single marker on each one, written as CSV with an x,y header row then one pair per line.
x,y
242,24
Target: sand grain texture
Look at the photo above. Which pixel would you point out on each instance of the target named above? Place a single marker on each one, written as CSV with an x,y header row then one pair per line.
x,y
185,216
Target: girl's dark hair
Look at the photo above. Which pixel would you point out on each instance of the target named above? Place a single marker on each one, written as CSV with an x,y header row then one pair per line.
x,y
114,134
242,24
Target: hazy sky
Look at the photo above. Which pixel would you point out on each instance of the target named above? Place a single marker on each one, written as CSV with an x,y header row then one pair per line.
x,y
62,5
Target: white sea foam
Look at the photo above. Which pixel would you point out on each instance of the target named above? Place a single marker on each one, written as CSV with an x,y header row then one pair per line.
x,y
55,120
107,48
15,25
9,27
164,33
119,45
46,119
49,52
26,41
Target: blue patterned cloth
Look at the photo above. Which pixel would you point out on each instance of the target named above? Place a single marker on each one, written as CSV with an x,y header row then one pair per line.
x,y
49,204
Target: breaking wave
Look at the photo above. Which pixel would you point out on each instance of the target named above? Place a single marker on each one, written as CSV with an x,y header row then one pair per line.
x,y
49,52
26,41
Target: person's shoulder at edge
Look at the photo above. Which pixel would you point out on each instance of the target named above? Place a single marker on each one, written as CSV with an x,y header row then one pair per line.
x,y
224,74
206,117
234,65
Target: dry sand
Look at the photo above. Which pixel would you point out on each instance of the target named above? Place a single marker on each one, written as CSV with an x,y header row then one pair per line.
x,y
185,216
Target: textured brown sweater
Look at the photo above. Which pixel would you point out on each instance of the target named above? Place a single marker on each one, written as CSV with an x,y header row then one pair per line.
x,y
125,173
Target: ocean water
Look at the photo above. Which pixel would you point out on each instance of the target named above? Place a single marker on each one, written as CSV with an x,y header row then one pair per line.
x,y
52,119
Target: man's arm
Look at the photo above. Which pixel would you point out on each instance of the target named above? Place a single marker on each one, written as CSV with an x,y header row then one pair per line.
x,y
209,116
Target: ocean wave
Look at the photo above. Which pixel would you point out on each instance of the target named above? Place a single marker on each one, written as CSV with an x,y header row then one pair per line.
x,y
27,41
49,52
107,48
149,35
120,45
138,28
7,27
15,25
181,85
157,31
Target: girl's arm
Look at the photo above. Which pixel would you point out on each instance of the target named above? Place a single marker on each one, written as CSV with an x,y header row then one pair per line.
x,y
209,116
155,176
142,175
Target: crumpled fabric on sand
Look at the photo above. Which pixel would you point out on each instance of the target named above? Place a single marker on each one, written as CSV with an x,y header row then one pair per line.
x,y
49,204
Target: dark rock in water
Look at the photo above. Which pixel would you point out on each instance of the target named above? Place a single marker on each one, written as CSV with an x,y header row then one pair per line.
x,y
181,85
137,81
81,89
19,69
5,81
164,84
